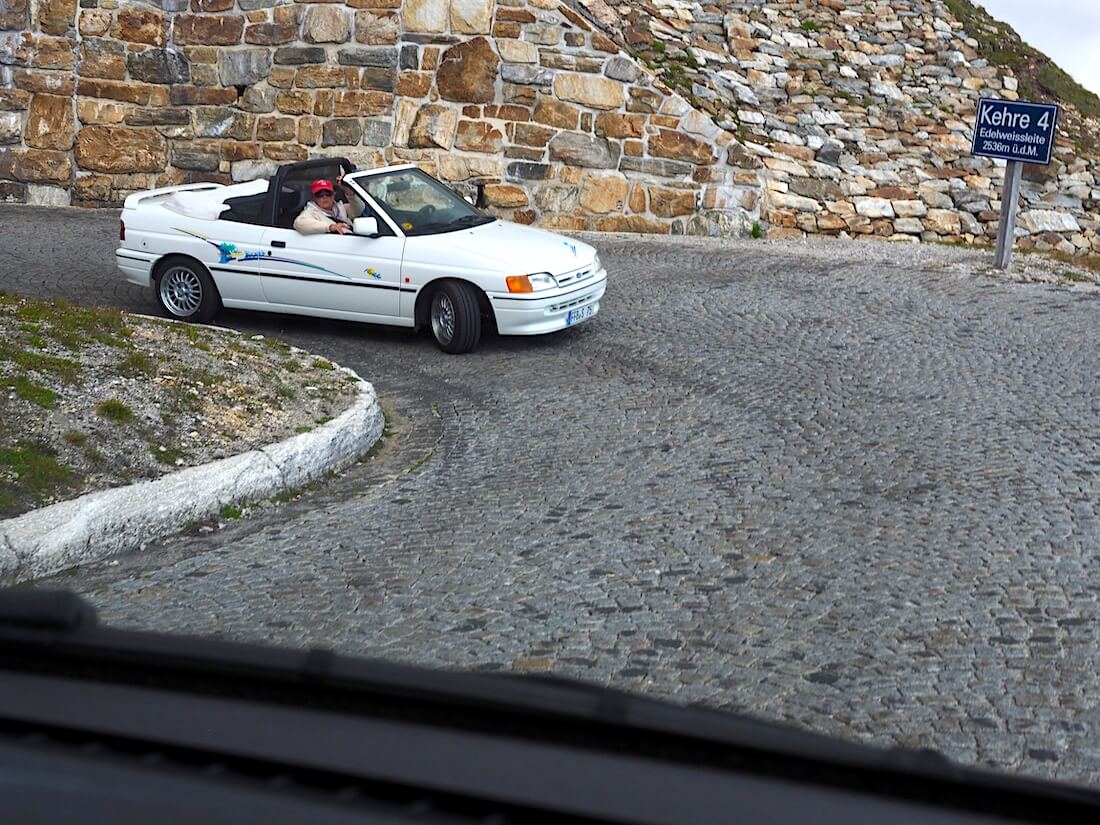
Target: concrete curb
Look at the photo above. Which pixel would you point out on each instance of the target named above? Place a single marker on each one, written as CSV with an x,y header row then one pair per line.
x,y
105,522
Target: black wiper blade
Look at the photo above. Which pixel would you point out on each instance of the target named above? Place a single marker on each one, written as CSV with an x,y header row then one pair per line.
x,y
471,220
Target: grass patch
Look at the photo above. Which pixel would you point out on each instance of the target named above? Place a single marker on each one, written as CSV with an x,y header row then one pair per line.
x,y
67,370
167,455
322,364
283,391
29,391
76,438
757,232
303,429
73,326
229,512
114,410
809,26
287,495
39,475
290,365
136,364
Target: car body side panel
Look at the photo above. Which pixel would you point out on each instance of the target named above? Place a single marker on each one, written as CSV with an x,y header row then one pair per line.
x,y
340,272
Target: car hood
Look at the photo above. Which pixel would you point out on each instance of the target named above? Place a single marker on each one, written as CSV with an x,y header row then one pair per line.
x,y
511,248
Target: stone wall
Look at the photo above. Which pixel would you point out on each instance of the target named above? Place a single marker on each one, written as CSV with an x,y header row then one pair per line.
x,y
860,113
521,102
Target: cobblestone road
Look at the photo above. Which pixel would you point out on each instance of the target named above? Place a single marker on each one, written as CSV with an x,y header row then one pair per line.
x,y
841,486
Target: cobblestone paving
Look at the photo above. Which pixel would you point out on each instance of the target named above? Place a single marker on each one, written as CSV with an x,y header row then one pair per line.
x,y
841,486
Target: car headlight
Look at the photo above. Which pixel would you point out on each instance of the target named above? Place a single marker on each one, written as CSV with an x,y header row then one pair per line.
x,y
596,264
535,282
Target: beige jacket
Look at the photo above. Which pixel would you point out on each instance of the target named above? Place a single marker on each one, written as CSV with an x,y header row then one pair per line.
x,y
312,221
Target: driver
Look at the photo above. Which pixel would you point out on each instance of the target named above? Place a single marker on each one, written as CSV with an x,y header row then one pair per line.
x,y
324,213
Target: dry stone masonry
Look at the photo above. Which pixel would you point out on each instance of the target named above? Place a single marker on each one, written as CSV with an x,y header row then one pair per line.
x,y
841,117
860,113
523,103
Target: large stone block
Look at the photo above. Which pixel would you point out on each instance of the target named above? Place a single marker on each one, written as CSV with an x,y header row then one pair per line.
x,y
434,127
618,125
361,103
270,34
471,16
299,55
526,74
376,29
603,193
341,132
13,15
555,113
224,122
42,166
589,90
942,222
424,15
120,149
478,136
382,57
102,58
139,25
632,223
50,123
674,145
159,66
326,24
209,29
670,203
56,16
468,71
504,195
276,128
243,67
622,68
143,94
579,149
193,160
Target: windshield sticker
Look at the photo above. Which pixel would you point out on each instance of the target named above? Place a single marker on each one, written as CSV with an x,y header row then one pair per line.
x,y
572,247
228,253
373,273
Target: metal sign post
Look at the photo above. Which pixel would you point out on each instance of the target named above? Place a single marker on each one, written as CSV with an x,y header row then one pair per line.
x,y
1006,231
1019,133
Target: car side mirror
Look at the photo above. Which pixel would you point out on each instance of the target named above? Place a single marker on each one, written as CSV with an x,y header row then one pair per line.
x,y
368,227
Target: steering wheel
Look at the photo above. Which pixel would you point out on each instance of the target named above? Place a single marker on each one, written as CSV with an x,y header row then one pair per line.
x,y
426,212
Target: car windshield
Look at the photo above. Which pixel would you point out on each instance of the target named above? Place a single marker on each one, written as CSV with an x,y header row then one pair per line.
x,y
419,204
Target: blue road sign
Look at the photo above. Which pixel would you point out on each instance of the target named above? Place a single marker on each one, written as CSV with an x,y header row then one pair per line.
x,y
1014,130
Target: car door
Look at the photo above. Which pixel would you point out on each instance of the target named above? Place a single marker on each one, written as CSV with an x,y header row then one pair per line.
x,y
345,273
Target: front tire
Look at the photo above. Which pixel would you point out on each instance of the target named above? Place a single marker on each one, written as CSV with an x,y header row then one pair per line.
x,y
455,317
185,291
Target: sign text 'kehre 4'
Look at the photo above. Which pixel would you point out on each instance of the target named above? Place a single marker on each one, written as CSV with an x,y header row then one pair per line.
x,y
1014,130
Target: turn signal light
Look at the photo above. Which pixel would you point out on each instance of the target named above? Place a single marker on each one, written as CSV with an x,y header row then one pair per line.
x,y
121,230
519,283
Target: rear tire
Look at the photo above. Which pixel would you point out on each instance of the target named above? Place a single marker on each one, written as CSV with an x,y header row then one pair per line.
x,y
185,291
455,317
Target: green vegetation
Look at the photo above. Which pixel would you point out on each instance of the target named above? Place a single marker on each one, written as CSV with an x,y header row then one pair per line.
x,y
229,512
69,371
757,232
283,391
114,410
167,455
809,26
37,473
29,391
322,364
73,326
75,437
136,364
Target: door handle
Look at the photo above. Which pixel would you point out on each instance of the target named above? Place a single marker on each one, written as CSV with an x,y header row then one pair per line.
x,y
280,244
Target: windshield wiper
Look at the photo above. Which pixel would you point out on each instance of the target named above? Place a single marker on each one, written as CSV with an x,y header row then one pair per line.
x,y
471,220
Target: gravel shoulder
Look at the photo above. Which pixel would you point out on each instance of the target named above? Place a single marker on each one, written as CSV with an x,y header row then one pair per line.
x,y
94,398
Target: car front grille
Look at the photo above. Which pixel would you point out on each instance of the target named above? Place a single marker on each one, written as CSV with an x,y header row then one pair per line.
x,y
574,277
576,302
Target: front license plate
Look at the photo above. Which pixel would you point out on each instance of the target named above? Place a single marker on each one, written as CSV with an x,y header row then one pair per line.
x,y
575,316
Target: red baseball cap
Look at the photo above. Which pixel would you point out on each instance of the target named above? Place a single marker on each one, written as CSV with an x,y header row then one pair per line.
x,y
322,185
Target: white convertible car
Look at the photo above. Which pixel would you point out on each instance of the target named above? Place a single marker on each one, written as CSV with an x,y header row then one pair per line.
x,y
419,256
